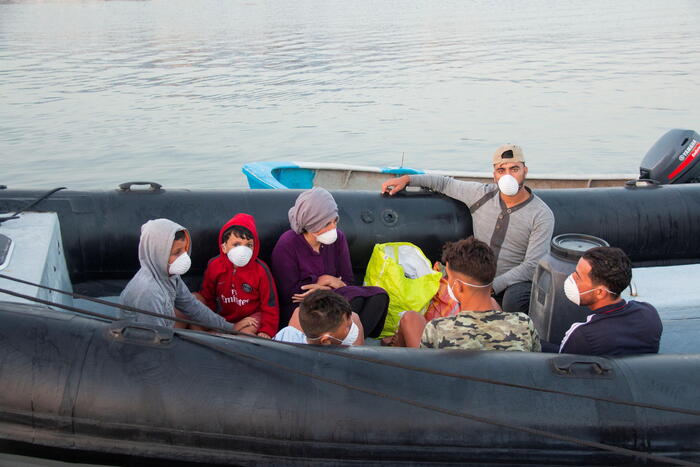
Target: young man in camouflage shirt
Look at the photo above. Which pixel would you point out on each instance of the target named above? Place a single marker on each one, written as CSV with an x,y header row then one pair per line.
x,y
471,268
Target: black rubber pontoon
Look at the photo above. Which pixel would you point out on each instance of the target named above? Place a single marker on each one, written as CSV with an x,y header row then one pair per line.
x,y
116,392
655,225
112,392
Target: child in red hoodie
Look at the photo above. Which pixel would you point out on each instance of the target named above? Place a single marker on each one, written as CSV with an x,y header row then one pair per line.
x,y
237,284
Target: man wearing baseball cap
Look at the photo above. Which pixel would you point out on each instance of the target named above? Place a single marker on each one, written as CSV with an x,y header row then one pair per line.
x,y
506,215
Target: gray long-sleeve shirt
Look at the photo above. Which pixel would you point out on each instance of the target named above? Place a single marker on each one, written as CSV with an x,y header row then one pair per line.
x,y
154,289
519,236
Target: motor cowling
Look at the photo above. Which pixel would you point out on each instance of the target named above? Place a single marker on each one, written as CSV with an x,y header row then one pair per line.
x,y
673,158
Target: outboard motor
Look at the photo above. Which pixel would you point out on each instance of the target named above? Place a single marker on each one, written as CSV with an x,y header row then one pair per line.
x,y
673,158
550,310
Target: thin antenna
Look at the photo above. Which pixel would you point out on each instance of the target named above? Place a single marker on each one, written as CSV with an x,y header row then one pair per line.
x,y
403,154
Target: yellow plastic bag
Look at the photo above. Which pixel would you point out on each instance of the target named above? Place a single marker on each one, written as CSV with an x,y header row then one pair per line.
x,y
404,272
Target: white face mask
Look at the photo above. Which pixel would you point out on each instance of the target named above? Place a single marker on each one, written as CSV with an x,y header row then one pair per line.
x,y
328,237
181,265
452,294
240,255
349,339
352,335
571,290
508,185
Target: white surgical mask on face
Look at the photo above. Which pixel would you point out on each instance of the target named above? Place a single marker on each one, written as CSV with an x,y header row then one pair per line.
x,y
571,290
451,293
181,265
352,335
328,237
350,339
508,185
240,255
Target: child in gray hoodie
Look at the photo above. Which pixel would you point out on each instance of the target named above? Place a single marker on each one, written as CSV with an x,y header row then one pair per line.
x,y
164,256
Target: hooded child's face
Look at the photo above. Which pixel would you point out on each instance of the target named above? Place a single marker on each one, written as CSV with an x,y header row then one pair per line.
x,y
234,241
179,247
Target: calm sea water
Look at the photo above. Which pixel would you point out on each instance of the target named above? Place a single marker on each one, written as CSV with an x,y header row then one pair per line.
x,y
94,93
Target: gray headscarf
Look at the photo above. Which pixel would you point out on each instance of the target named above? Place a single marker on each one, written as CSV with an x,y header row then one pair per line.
x,y
312,210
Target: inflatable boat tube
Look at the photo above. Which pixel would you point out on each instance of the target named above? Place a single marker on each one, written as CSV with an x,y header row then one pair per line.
x,y
655,225
83,388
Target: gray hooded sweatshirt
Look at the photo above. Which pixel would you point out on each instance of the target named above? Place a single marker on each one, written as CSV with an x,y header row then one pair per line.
x,y
153,289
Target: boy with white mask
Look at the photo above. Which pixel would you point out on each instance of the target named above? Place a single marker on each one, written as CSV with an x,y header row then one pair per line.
x,y
164,256
237,284
325,318
514,222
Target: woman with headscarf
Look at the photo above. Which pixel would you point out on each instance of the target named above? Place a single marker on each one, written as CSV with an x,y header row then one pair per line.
x,y
314,254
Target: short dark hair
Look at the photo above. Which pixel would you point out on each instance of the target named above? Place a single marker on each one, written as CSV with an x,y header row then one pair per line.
x,y
239,231
610,267
471,257
322,311
180,235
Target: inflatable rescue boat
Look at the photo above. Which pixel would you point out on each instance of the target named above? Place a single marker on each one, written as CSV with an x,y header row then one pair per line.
x,y
79,384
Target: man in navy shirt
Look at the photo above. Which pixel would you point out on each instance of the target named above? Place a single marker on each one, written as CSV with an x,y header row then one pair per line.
x,y
616,327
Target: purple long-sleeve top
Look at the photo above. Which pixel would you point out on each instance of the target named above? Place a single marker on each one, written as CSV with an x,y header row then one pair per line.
x,y
294,263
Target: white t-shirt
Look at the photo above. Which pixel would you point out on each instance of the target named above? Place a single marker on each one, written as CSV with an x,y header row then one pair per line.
x,y
291,334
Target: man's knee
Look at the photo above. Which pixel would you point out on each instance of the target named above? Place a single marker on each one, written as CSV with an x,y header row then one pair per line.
x,y
516,298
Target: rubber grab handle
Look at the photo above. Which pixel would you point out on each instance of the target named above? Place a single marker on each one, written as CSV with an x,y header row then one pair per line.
x,y
126,186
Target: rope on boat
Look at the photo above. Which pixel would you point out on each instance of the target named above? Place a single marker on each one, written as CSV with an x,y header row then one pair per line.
x,y
533,431
229,352
30,205
334,353
101,302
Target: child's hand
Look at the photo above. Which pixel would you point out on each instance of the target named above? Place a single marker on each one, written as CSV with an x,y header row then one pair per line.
x,y
265,335
248,325
297,297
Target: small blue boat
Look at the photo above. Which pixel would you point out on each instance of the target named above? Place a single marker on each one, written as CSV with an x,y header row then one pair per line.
x,y
337,176
671,160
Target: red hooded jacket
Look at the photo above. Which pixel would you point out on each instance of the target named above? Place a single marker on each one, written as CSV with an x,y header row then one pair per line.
x,y
236,292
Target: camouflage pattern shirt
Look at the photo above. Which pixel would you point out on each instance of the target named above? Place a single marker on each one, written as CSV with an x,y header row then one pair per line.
x,y
482,330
